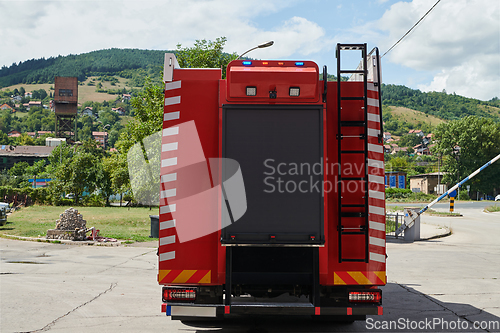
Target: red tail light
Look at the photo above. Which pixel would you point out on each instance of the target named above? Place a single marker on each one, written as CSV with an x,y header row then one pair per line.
x,y
179,294
365,296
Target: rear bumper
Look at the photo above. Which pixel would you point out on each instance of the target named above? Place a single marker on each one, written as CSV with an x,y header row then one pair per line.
x,y
218,311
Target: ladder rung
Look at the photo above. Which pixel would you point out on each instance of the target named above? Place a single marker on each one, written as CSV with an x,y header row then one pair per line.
x,y
353,152
352,46
352,214
351,123
357,98
353,71
361,136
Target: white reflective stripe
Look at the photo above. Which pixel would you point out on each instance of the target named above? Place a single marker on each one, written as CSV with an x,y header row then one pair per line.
x,y
375,148
173,85
377,241
193,311
373,117
376,210
373,132
171,116
172,100
377,226
376,195
169,177
167,256
167,224
373,102
170,146
167,209
376,179
375,163
168,193
377,257
170,131
169,162
167,240
371,86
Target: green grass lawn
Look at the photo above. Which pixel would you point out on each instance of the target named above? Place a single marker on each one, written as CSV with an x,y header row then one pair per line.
x,y
114,222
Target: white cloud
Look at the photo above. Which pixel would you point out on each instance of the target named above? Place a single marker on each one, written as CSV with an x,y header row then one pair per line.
x,y
459,39
44,29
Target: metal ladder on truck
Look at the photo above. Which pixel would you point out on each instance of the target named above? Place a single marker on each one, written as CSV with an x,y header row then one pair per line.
x,y
346,210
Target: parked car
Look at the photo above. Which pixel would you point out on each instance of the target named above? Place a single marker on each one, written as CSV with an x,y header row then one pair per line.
x,y
6,206
497,198
70,196
3,216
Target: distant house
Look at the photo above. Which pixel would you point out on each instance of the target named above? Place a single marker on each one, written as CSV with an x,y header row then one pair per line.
x,y
28,94
426,183
387,136
13,154
398,149
7,107
387,149
416,132
421,149
101,137
14,134
126,97
17,98
31,134
40,133
119,110
390,140
88,112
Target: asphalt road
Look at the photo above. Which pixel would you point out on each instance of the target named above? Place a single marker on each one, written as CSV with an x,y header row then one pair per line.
x,y
67,288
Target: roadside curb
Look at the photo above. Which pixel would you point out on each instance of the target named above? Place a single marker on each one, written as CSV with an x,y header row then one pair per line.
x,y
62,241
446,232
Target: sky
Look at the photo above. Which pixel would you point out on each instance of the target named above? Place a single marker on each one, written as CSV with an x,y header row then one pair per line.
x,y
455,48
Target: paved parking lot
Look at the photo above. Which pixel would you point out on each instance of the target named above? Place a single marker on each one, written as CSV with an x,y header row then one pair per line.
x,y
68,288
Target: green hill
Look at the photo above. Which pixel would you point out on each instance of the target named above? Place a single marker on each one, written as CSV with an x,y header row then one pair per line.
x,y
439,104
121,62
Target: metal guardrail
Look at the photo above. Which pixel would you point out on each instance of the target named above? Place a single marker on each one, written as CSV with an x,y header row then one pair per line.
x,y
393,222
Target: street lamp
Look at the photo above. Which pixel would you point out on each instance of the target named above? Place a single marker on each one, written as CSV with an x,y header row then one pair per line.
x,y
260,46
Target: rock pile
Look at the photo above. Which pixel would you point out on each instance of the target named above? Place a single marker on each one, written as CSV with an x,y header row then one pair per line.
x,y
70,225
71,220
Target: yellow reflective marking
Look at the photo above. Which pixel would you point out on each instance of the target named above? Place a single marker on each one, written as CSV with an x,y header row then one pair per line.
x,y
381,276
359,277
337,279
184,276
162,274
206,278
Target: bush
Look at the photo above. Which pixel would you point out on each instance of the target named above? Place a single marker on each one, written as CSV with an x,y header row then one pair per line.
x,y
391,193
93,200
464,195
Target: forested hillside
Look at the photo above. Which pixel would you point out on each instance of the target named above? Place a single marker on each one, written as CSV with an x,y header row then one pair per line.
x,y
439,104
121,62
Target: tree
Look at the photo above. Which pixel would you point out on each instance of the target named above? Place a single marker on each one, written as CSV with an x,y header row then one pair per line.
x,y
80,171
409,140
205,54
148,109
467,144
22,91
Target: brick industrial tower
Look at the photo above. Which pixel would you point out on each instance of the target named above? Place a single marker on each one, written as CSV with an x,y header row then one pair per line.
x,y
65,103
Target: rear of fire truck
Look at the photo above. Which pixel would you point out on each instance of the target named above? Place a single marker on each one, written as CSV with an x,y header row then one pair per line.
x,y
272,190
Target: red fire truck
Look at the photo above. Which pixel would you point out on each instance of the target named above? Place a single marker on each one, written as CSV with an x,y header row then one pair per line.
x,y
272,194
